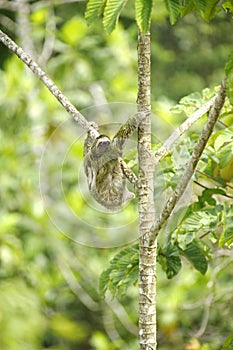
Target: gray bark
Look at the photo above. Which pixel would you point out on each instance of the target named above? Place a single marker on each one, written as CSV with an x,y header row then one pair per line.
x,y
147,259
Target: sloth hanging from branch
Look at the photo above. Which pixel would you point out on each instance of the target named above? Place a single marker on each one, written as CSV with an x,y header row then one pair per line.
x,y
105,169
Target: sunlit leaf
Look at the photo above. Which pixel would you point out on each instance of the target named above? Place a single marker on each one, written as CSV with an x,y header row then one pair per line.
x,y
143,14
187,7
174,8
94,10
112,13
210,10
225,135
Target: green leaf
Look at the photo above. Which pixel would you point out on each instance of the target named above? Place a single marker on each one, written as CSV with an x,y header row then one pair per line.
x,y
169,259
174,8
229,75
228,6
210,10
94,10
225,136
225,155
228,344
112,12
194,253
226,237
143,14
122,272
208,193
187,7
201,4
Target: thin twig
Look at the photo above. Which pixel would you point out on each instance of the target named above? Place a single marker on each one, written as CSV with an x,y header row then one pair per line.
x,y
221,182
207,188
167,146
191,166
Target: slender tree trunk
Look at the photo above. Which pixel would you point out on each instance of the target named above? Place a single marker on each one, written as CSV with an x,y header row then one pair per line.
x,y
147,260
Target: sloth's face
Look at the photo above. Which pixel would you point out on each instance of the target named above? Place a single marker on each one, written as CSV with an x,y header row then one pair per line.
x,y
102,144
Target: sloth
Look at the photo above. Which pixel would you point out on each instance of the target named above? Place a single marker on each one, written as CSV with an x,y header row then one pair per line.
x,y
104,169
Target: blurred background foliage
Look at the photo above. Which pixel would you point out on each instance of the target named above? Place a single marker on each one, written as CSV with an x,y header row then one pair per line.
x,y
49,277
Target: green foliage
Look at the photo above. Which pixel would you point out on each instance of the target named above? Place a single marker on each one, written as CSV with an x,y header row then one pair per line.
x,y
169,258
170,255
195,254
229,76
122,272
112,13
207,9
210,10
111,10
94,10
228,6
228,344
143,14
188,227
173,7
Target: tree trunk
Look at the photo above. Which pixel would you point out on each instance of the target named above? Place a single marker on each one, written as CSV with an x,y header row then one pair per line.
x,y
147,260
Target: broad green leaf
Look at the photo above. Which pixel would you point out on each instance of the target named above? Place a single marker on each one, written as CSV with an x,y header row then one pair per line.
x,y
187,7
169,259
122,272
143,14
228,344
200,220
225,155
174,8
112,12
201,4
229,75
210,10
194,253
224,136
94,10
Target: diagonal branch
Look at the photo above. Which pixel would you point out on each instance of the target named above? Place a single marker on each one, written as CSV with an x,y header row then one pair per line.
x,y
191,166
167,146
34,67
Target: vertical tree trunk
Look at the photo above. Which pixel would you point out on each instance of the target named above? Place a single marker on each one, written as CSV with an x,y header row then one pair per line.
x,y
147,260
